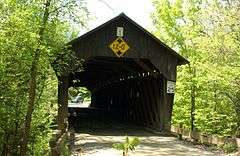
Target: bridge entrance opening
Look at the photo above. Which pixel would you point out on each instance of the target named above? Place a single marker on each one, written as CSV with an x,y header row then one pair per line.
x,y
130,73
127,89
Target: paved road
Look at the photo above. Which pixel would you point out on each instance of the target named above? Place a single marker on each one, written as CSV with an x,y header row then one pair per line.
x,y
96,138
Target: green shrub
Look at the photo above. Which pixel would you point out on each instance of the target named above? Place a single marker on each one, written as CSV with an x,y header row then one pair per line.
x,y
128,144
229,147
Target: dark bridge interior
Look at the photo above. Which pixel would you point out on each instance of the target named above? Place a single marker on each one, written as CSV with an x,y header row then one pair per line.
x,y
128,89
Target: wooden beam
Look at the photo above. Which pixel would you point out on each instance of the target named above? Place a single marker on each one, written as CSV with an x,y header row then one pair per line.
x,y
156,83
139,102
62,103
144,66
145,99
163,108
136,113
152,99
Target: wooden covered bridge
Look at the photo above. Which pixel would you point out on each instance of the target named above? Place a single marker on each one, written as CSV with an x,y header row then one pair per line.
x,y
131,74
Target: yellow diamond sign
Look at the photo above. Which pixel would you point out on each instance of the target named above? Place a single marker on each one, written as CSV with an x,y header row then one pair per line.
x,y
119,47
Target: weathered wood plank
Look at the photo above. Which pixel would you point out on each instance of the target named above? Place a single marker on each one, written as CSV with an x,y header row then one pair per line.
x,y
62,103
157,93
152,98
146,104
140,102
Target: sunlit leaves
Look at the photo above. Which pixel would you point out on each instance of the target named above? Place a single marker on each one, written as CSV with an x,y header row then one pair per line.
x,y
207,33
20,22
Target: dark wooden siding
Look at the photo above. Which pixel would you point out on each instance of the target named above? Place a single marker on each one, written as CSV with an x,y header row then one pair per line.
x,y
141,46
142,99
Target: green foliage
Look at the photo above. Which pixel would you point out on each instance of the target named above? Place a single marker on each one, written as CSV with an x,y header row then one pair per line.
x,y
20,22
229,147
128,144
84,93
207,33
65,151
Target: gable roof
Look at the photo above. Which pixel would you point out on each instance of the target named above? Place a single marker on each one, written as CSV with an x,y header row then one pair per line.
x,y
181,59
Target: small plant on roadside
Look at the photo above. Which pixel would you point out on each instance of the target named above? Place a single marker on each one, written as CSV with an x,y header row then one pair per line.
x,y
128,144
229,147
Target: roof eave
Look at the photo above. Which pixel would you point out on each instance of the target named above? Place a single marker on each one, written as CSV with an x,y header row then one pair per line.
x,y
181,59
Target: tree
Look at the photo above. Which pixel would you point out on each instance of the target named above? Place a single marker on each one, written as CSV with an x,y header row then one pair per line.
x,y
207,33
32,34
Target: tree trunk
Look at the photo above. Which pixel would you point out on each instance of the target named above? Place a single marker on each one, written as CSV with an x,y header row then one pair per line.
x,y
193,99
5,145
33,83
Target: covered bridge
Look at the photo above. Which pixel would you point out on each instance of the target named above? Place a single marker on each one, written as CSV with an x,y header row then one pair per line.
x,y
131,74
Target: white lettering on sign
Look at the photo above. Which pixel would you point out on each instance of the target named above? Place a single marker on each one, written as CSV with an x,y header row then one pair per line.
x,y
120,31
171,87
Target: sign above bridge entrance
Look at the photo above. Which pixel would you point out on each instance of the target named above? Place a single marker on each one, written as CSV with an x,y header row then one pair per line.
x,y
119,46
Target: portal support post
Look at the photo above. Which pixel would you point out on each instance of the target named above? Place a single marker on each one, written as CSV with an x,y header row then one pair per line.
x,y
63,86
167,107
